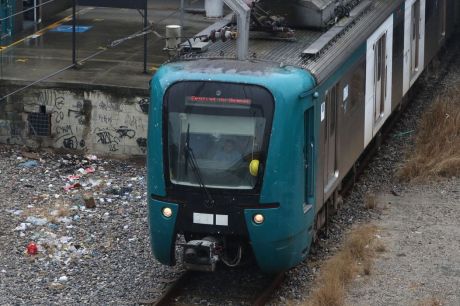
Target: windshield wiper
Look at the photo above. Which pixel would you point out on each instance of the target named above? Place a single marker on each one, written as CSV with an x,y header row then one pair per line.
x,y
189,156
187,150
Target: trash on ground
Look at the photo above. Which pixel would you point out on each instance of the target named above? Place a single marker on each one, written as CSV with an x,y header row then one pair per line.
x,y
32,248
28,164
36,221
89,201
68,187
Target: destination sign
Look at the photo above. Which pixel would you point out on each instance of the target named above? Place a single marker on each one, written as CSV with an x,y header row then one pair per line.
x,y
217,100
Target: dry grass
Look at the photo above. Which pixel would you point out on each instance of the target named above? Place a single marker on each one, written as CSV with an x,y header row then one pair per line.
x,y
379,247
430,302
437,145
370,201
338,271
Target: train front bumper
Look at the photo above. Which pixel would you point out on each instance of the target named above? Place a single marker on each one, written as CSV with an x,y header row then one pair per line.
x,y
162,231
278,244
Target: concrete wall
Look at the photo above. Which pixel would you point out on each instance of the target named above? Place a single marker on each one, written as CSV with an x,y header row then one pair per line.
x,y
92,121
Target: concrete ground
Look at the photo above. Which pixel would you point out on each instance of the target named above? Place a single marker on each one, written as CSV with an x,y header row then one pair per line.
x,y
39,53
421,264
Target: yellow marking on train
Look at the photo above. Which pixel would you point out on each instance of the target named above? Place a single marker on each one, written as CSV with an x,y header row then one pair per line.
x,y
46,29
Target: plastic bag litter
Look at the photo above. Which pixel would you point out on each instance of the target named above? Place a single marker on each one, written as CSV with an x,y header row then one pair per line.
x,y
36,221
29,164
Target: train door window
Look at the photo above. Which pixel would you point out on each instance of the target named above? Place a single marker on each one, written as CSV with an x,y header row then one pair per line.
x,y
330,135
380,76
415,41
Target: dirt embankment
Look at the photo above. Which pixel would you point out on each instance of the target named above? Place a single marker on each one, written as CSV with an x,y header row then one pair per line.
x,y
421,265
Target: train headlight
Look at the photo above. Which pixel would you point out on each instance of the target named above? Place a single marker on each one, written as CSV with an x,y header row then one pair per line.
x,y
167,212
258,218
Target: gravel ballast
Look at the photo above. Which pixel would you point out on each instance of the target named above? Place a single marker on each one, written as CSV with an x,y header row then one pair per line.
x,y
95,255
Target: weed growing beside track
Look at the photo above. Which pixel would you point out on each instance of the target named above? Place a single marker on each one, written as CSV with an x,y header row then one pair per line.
x,y
337,272
437,145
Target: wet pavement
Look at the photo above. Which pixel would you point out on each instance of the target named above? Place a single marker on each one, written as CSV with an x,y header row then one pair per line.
x,y
48,50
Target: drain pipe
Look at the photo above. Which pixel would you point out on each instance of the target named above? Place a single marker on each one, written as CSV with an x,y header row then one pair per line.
x,y
243,14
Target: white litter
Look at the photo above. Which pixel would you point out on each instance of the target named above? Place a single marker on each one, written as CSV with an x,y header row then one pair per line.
x,y
63,278
37,221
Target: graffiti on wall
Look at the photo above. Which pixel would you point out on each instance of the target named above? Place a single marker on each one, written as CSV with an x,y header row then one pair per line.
x,y
117,125
92,121
106,138
144,105
142,143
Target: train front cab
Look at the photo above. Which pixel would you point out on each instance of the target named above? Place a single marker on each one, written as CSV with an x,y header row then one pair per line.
x,y
197,113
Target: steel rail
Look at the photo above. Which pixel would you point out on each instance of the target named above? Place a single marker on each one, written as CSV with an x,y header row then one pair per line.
x,y
267,293
174,290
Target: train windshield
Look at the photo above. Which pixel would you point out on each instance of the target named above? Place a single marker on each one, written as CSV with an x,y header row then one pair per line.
x,y
215,130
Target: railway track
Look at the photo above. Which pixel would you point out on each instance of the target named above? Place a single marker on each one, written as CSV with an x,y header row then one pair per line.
x,y
175,291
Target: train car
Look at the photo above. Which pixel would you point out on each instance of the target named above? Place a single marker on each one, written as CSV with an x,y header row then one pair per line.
x,y
249,143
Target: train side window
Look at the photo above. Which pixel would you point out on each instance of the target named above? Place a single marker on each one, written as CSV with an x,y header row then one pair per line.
x,y
309,151
380,76
330,133
398,42
442,17
356,87
333,109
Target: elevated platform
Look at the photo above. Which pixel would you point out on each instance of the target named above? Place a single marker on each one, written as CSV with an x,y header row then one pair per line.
x,y
46,50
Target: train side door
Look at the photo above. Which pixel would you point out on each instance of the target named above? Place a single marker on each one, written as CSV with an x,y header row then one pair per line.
x,y
379,75
414,41
330,137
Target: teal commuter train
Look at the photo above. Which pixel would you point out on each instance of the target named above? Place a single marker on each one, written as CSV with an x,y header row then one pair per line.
x,y
246,159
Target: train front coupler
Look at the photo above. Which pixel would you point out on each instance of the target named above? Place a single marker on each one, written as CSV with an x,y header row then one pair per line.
x,y
201,255
204,254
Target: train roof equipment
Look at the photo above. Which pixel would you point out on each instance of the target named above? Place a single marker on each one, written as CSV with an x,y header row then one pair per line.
x,y
319,48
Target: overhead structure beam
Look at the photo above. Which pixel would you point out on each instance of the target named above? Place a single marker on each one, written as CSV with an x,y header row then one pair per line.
x,y
131,4
243,14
